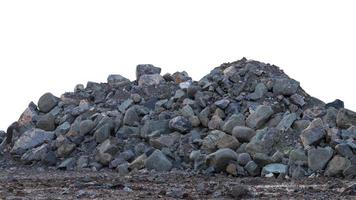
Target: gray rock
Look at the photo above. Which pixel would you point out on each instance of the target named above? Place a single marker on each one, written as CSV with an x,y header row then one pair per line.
x,y
286,121
62,129
83,162
47,102
344,150
318,158
215,123
155,125
234,120
297,156
337,104
103,133
31,138
243,159
218,140
285,86
260,91
109,146
204,116
125,105
146,69
243,133
222,104
345,118
131,117
221,158
165,140
123,169
275,168
136,98
150,80
138,163
262,142
330,117
350,172
313,133
35,154
298,172
337,165
86,126
180,124
46,122
187,111
297,99
158,161
258,118
252,168
65,149
116,80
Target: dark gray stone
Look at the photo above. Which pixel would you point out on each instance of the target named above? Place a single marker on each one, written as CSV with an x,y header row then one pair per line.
x,y
318,158
252,168
221,158
46,122
275,168
116,80
47,102
31,138
223,103
150,80
146,69
337,165
180,124
243,159
345,118
285,86
234,120
313,133
258,118
158,161
338,104
103,133
243,133
86,126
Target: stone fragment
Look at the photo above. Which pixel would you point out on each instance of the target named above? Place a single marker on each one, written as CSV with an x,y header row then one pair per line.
x,y
286,121
258,118
234,120
222,104
158,161
319,157
31,138
260,91
221,158
345,118
116,80
180,124
243,134
275,168
46,122
150,80
337,165
313,133
86,126
218,140
146,69
285,86
243,159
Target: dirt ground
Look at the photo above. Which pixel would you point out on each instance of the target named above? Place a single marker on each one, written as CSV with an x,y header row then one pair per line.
x,y
40,183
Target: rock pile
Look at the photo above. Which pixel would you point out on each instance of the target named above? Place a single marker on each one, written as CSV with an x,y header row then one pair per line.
x,y
244,118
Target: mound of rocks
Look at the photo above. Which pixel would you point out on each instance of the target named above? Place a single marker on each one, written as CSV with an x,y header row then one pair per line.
x,y
244,118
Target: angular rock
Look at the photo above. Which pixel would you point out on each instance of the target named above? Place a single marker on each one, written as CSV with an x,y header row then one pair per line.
x,y
318,158
297,99
234,120
47,102
152,125
146,69
243,159
219,140
262,142
345,118
31,138
252,168
260,91
131,117
65,149
243,133
313,133
285,86
337,165
103,133
287,122
150,80
86,126
116,80
215,123
258,118
221,158
158,161
338,104
222,104
35,154
344,150
180,124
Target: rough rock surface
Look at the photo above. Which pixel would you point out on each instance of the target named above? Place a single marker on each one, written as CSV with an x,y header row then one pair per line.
x,y
244,118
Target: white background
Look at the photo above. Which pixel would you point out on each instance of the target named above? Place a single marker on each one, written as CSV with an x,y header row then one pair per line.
x,y
53,45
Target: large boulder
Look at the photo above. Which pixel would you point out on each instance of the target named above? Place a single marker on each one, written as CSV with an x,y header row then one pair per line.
x,y
337,165
243,133
47,102
150,80
46,122
262,142
218,140
116,80
30,139
259,117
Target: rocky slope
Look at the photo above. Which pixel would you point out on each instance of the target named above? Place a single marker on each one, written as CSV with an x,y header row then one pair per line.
x,y
244,118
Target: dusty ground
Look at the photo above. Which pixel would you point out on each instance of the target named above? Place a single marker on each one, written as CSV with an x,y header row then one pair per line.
x,y
40,183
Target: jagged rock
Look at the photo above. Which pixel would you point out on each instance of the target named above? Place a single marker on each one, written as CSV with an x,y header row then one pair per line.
x,y
258,118
180,124
285,86
297,99
337,165
223,103
35,154
243,134
146,69
344,150
346,118
103,133
233,121
319,157
158,161
46,122
31,138
131,117
262,142
297,156
252,168
47,102
217,140
138,163
152,125
338,104
243,159
221,158
313,133
67,164
150,79
86,126
116,80
260,91
287,121
65,149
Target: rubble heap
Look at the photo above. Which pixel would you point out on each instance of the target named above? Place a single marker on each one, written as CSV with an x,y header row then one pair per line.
x,y
244,118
